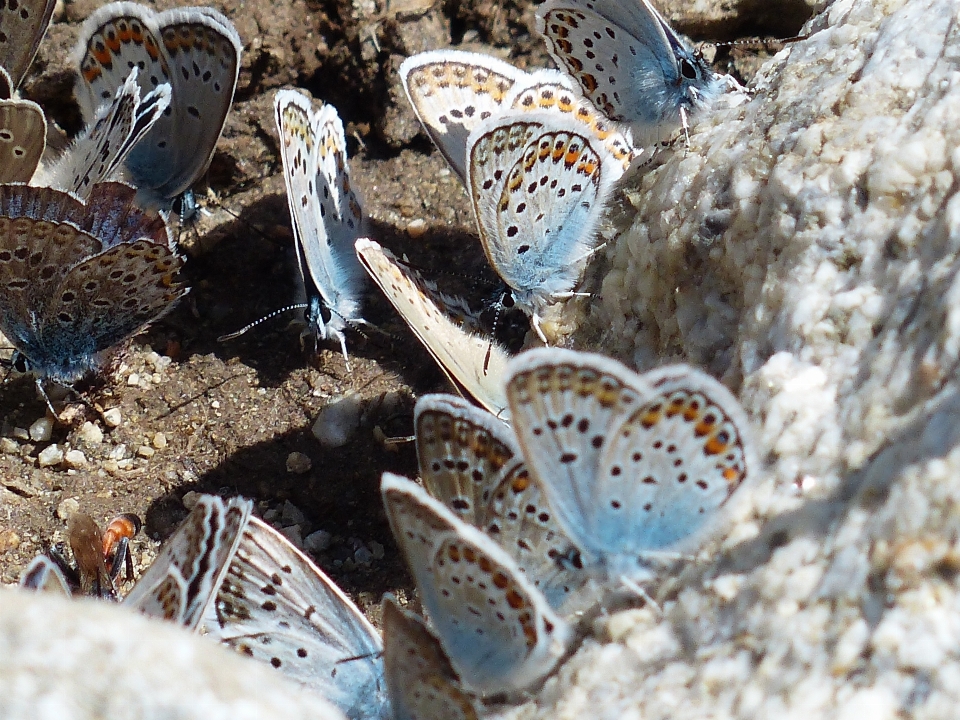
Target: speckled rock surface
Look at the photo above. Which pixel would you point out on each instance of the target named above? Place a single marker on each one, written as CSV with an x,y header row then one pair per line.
x,y
805,249
84,660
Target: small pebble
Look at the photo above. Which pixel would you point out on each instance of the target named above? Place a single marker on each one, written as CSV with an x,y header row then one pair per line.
x,y
337,421
133,380
298,463
75,459
111,466
317,541
377,550
190,499
292,533
9,446
362,555
417,228
159,441
51,455
9,540
112,418
90,434
41,430
145,451
291,514
21,433
67,507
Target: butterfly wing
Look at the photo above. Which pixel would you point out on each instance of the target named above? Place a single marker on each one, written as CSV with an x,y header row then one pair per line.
x,y
669,466
183,581
550,91
22,25
627,61
565,405
494,625
104,144
452,92
472,363
421,683
538,183
202,50
470,462
23,137
324,212
277,606
44,574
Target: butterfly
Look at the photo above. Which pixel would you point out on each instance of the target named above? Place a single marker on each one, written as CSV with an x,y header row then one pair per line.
x,y
324,210
78,278
496,628
277,606
183,580
104,144
470,461
194,50
452,92
22,25
629,63
633,466
473,364
538,183
420,681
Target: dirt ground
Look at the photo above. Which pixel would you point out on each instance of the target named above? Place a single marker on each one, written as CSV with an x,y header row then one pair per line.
x,y
225,417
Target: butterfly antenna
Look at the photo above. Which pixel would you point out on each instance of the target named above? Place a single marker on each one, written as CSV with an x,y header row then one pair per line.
x,y
269,316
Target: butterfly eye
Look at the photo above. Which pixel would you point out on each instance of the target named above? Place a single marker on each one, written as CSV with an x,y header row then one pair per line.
x,y
687,69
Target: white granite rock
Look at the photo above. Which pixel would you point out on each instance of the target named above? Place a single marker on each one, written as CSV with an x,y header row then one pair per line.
x,y
66,659
806,249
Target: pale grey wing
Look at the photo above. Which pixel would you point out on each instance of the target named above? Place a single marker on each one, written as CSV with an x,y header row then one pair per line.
x,y
421,683
565,406
202,51
464,454
452,92
114,39
670,466
496,628
43,574
538,183
277,606
23,137
103,145
183,581
22,25
474,364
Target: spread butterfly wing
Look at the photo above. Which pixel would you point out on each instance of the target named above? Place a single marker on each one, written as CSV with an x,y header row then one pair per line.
x,y
277,606
182,582
102,147
494,625
473,364
452,92
23,137
45,575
